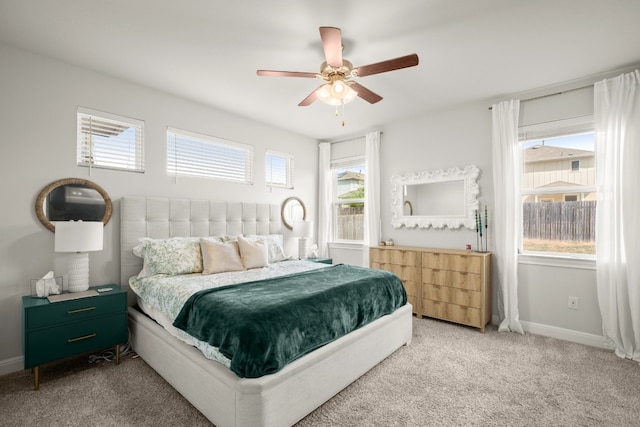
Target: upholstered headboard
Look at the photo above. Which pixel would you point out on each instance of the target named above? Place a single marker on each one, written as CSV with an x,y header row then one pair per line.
x,y
161,218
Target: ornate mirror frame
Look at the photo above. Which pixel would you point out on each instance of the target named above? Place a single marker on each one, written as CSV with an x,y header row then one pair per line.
x,y
42,197
470,188
287,205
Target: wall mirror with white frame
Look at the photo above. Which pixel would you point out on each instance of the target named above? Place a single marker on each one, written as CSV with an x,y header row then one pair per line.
x,y
440,198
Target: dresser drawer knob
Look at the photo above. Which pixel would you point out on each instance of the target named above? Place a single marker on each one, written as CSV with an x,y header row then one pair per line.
x,y
82,338
80,310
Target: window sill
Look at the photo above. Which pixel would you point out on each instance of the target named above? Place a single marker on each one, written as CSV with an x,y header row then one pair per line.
x,y
346,244
557,261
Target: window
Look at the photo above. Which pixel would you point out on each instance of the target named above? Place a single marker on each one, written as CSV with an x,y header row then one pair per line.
x,y
559,204
197,155
279,169
109,141
349,203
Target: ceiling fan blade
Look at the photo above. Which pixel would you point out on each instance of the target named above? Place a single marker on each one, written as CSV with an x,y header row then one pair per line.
x,y
332,45
366,94
309,99
389,65
271,73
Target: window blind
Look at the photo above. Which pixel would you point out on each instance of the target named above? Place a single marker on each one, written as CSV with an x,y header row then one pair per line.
x,y
197,155
279,169
557,128
110,141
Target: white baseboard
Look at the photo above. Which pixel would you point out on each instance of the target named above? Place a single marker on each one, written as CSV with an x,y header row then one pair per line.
x,y
560,333
9,366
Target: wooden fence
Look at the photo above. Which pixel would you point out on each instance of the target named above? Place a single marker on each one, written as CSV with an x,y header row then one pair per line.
x,y
350,223
568,221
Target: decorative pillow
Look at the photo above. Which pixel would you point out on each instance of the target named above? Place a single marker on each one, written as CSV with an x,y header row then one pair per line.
x,y
274,246
253,253
219,257
177,255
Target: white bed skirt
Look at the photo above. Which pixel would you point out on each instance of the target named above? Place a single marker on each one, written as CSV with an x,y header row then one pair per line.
x,y
279,399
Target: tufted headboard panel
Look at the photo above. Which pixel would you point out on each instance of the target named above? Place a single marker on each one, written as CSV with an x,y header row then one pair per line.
x,y
161,218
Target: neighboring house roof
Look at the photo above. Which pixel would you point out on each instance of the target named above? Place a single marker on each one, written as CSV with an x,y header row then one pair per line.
x,y
351,175
539,153
561,184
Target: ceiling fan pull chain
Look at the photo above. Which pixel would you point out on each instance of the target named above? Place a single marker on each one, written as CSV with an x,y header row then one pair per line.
x,y
343,116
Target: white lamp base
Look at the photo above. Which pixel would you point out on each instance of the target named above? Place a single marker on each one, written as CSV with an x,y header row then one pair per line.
x,y
78,272
302,248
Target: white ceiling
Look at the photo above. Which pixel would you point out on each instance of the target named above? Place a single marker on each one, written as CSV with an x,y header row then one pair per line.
x,y
209,50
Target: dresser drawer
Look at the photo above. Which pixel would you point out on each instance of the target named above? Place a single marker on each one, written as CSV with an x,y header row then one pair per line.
x,y
452,312
402,271
80,309
394,256
52,343
457,279
457,262
452,295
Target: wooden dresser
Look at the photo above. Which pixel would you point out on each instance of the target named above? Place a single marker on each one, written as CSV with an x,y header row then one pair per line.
x,y
446,284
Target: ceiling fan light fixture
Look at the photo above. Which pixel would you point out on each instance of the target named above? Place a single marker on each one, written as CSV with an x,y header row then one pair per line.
x,y
336,93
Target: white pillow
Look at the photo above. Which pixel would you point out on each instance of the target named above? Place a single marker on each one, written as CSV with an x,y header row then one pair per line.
x,y
254,253
274,246
220,257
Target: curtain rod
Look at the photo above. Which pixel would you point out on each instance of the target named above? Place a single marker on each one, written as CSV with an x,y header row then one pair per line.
x,y
552,94
350,139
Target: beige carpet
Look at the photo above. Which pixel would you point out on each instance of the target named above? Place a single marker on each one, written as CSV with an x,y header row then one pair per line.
x,y
449,375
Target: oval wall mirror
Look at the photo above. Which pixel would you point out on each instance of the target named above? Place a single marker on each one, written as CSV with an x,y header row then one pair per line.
x,y
73,199
292,210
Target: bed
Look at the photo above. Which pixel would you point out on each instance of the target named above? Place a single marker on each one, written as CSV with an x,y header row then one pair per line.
x,y
278,399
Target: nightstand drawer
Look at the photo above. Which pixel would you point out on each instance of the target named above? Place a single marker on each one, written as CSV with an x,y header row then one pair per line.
x,y
80,309
49,344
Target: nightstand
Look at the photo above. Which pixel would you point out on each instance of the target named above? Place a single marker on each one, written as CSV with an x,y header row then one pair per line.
x,y
53,331
321,260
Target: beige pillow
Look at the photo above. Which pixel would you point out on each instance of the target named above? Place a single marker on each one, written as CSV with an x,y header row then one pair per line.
x,y
254,253
220,257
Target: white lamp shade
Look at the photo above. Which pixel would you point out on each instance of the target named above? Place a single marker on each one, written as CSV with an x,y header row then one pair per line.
x,y
302,228
78,236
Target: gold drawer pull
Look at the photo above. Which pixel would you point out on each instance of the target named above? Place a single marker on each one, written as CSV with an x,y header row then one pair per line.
x,y
84,337
80,310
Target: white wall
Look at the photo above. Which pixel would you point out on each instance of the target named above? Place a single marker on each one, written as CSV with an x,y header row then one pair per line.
x,y
38,103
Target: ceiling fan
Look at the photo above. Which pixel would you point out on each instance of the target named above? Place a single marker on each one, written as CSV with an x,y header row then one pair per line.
x,y
338,87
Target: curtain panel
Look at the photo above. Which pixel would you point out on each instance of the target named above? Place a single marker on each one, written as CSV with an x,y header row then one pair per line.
x,y
372,224
507,165
325,199
617,125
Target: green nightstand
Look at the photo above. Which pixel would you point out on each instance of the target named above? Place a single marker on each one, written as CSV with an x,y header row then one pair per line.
x,y
53,331
321,260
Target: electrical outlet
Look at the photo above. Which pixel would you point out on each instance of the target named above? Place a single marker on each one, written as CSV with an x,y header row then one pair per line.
x,y
573,302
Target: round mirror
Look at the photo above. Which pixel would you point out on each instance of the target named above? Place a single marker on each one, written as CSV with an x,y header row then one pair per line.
x,y
292,210
73,199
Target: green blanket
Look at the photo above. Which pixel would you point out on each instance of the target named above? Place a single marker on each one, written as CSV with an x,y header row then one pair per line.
x,y
261,326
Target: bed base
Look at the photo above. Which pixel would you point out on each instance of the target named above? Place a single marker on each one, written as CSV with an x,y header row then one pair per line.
x,y
280,399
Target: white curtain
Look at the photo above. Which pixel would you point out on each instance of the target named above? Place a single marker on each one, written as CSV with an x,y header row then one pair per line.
x,y
617,124
325,199
372,227
507,168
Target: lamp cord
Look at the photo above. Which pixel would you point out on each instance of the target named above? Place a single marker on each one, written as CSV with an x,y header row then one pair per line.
x,y
110,355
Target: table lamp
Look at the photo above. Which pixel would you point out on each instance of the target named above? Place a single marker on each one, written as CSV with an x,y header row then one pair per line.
x,y
303,230
79,237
